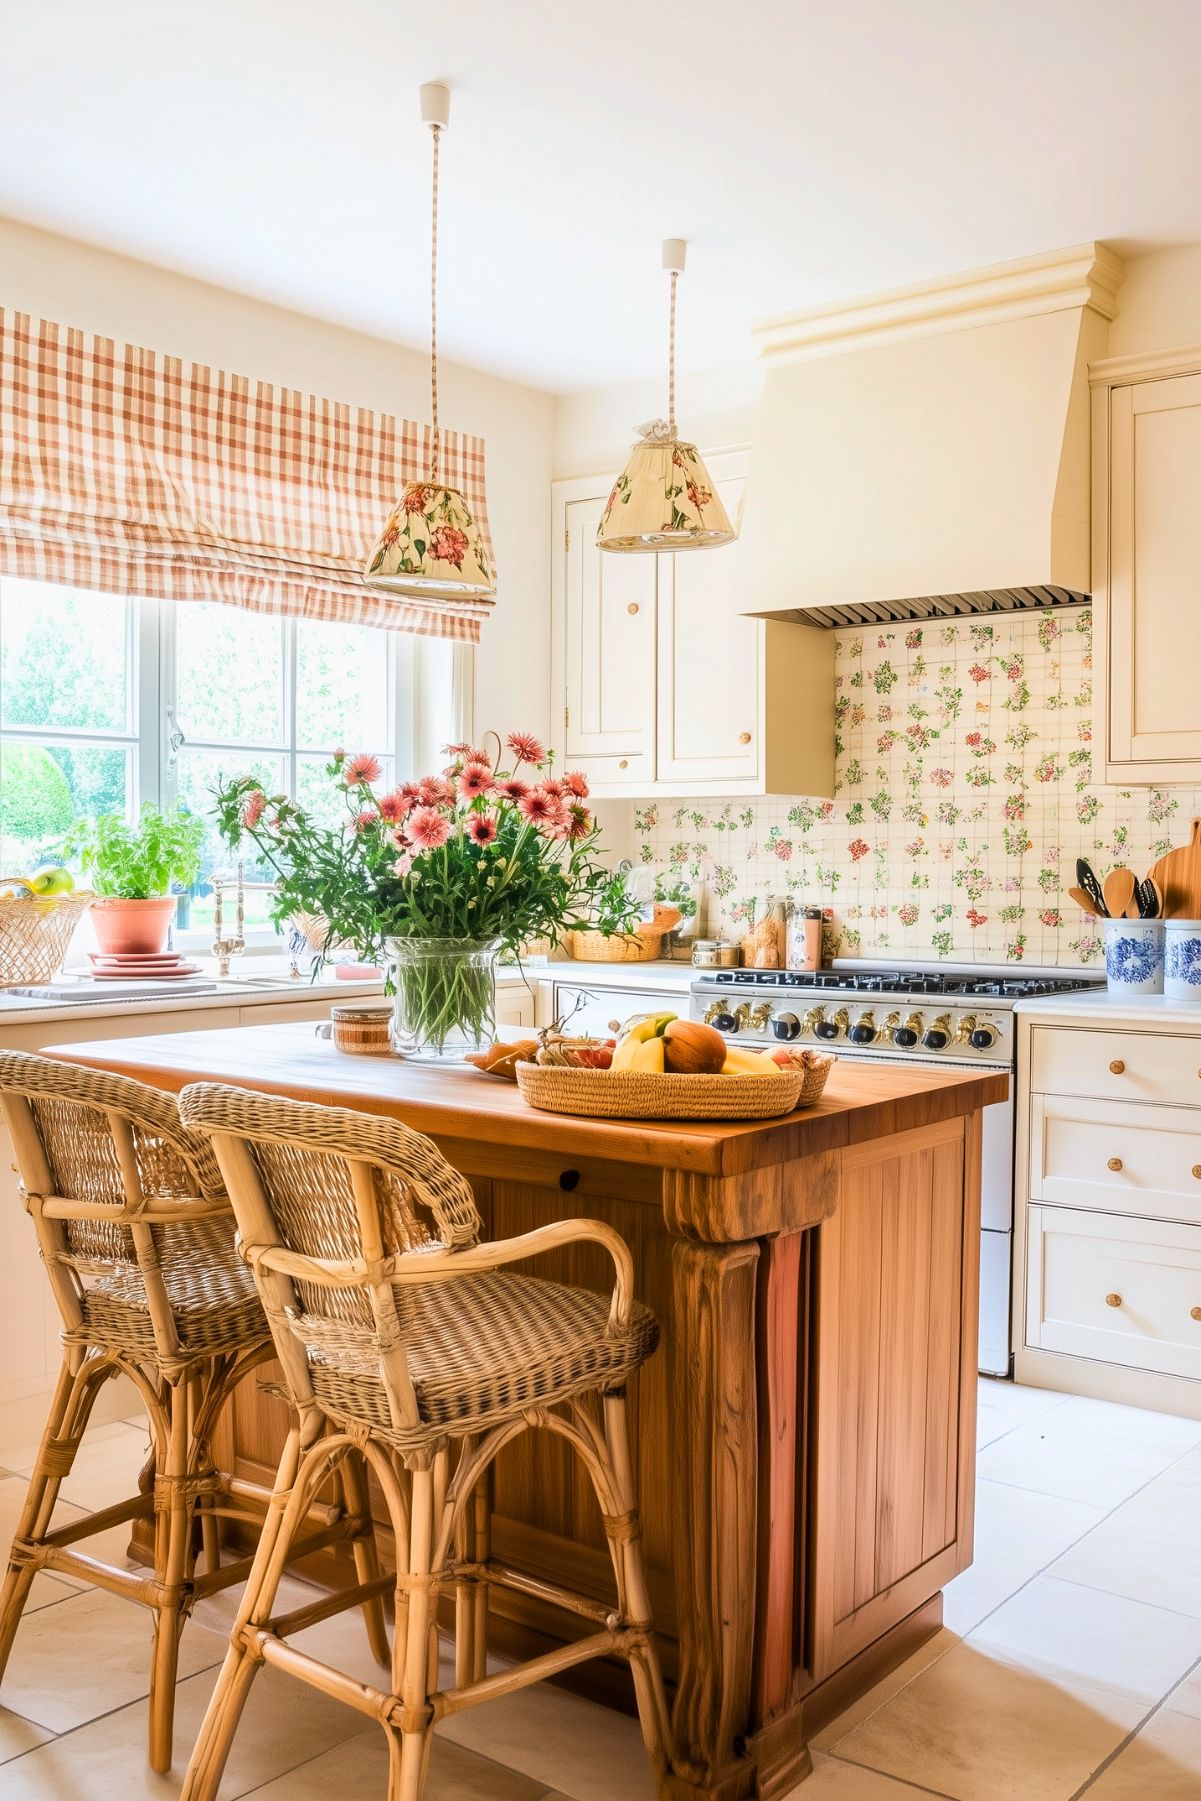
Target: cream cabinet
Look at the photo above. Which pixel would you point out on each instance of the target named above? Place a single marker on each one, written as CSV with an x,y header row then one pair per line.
x,y
668,687
1147,567
1108,1166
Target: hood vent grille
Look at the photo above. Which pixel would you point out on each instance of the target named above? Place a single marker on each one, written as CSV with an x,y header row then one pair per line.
x,y
935,606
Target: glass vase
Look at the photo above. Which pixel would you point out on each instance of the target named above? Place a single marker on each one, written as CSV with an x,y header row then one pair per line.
x,y
445,1005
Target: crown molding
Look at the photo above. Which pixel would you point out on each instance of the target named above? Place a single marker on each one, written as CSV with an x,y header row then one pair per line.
x,y
1154,365
1085,275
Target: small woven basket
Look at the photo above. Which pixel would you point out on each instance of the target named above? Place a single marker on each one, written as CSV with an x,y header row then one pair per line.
x,y
815,1076
641,1094
642,944
35,933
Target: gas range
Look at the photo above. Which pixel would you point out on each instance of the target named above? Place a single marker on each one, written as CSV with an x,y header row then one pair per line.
x,y
959,1015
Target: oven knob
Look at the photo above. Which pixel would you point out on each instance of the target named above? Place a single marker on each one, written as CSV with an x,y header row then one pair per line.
x,y
939,1034
830,1028
983,1038
906,1036
725,1022
864,1030
786,1025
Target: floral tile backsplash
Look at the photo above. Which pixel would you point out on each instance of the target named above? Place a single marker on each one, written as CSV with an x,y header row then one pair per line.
x,y
963,795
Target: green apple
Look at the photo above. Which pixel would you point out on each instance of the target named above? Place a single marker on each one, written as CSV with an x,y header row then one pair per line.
x,y
51,879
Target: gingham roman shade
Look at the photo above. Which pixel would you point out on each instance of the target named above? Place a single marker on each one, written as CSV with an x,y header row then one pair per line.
x,y
125,470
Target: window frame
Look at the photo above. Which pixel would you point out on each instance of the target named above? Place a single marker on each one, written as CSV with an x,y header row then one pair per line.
x,y
419,711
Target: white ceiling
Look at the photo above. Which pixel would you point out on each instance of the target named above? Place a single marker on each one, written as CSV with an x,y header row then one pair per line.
x,y
809,149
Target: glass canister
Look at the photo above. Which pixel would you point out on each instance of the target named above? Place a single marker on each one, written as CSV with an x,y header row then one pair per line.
x,y
805,938
704,953
1182,959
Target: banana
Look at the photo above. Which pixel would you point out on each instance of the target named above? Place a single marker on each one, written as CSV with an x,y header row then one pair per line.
x,y
641,1047
741,1062
648,1057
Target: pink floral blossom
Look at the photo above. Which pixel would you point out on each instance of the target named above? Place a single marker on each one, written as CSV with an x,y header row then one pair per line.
x,y
475,779
363,768
481,828
579,822
551,786
365,819
252,809
539,808
434,791
858,848
576,783
979,672
975,918
403,865
449,545
394,806
526,748
512,788
428,829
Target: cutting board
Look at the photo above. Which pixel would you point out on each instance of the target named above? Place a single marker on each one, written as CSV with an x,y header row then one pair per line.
x,y
1179,878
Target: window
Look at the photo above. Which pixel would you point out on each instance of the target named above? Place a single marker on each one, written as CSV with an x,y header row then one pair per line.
x,y
106,702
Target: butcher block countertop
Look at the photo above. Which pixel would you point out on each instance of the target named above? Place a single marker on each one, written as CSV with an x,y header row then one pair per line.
x,y
804,1438
862,1101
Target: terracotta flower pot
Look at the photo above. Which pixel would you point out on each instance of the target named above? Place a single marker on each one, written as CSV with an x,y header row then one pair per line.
x,y
133,927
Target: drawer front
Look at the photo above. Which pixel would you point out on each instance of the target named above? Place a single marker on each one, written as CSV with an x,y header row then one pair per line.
x,y
631,773
1117,1290
1117,1066
1125,1158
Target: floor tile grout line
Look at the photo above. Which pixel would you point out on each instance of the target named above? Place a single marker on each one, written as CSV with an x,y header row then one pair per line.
x,y
1117,1595
919,1788
1133,1733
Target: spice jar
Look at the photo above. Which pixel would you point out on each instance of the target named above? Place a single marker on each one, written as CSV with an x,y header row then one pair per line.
x,y
362,1031
729,954
704,953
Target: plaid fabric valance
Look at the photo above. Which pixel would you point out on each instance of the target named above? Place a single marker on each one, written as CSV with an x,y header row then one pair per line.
x,y
129,471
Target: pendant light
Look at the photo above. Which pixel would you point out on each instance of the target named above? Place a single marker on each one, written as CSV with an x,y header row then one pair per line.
x,y
431,546
664,499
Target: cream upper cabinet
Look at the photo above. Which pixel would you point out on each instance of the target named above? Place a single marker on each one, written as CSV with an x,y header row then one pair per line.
x,y
668,687
1147,567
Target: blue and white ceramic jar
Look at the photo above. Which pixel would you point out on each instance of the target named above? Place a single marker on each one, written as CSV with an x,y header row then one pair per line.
x,y
1182,960
1134,956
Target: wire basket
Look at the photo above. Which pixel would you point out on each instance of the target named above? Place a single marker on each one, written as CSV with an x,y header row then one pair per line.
x,y
35,932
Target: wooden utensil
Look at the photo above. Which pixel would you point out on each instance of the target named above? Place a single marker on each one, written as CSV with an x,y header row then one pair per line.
x,y
1119,888
1086,876
1084,902
1178,877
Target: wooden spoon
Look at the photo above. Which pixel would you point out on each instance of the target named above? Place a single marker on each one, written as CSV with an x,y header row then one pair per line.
x,y
1084,902
1119,890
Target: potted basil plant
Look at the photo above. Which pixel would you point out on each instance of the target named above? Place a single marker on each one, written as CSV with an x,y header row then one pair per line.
x,y
132,867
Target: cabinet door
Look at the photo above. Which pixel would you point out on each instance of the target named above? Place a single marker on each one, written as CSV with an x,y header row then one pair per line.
x,y
709,724
609,642
1154,626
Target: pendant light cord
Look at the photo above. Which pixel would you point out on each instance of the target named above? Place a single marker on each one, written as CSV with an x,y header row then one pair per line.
x,y
671,357
436,439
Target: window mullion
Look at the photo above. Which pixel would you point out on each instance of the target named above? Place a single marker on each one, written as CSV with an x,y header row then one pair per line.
x,y
149,668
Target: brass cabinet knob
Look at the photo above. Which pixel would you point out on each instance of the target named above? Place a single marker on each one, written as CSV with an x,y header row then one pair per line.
x,y
1113,1300
633,607
624,764
1194,1313
744,737
1197,1171
1114,1163
1117,1067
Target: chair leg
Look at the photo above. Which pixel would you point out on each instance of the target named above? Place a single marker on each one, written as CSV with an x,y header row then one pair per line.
x,y
352,1478
413,1688
172,1553
481,1504
207,1763
36,1513
625,1545
202,1465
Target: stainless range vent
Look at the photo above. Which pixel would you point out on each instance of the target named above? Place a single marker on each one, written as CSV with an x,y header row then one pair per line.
x,y
935,606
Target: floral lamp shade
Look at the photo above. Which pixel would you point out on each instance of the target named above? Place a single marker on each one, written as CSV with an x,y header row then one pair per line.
x,y
431,545
664,499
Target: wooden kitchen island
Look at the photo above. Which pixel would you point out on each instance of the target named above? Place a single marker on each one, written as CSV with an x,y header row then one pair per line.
x,y
805,1437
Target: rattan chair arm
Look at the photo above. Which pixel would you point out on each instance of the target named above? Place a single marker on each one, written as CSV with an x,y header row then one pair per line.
x,y
155,1213
445,1266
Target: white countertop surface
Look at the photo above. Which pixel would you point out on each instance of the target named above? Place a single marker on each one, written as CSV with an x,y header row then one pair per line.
x,y
660,974
1096,1006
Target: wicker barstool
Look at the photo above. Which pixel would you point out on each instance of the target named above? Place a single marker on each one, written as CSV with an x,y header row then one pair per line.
x,y
397,1335
137,1236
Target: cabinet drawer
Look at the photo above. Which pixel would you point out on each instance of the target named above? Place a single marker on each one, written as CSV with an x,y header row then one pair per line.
x,y
1075,1144
1117,1066
1118,1290
629,773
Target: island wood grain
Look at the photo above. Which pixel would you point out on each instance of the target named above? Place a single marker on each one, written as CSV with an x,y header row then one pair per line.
x,y
805,1437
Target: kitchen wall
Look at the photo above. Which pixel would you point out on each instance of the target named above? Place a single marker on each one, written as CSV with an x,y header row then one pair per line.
x,y
964,796
76,284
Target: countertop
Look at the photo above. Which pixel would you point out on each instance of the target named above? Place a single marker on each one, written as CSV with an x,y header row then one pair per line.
x,y
862,1101
1096,1006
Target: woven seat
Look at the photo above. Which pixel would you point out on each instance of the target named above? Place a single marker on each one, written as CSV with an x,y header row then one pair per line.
x,y
137,1237
483,1349
396,1334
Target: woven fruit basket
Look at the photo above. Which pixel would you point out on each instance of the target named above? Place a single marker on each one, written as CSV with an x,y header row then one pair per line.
x,y
640,1094
35,932
640,945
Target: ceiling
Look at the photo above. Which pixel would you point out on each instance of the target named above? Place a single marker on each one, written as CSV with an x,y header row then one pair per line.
x,y
808,149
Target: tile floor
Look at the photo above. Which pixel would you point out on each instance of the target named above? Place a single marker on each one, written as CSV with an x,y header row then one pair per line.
x,y
1069,1665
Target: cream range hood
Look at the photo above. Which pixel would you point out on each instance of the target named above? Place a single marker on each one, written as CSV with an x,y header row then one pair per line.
x,y
925,452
